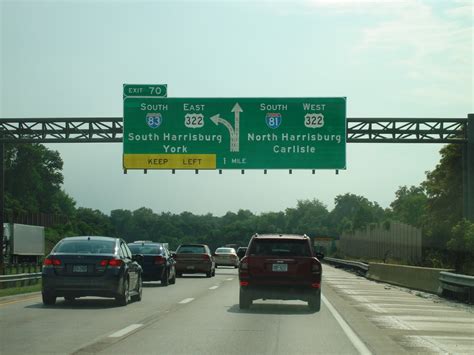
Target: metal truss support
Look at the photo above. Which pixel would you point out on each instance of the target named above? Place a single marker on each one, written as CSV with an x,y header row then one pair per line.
x,y
110,129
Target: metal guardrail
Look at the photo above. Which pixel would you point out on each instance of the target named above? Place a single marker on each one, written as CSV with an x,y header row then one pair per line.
x,y
354,265
7,281
461,285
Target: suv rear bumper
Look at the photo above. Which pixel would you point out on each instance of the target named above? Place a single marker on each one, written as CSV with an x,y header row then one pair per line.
x,y
303,293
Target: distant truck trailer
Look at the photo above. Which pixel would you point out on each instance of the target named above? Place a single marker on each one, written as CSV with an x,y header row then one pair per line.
x,y
23,243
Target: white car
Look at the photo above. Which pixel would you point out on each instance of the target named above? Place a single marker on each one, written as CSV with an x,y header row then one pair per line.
x,y
226,257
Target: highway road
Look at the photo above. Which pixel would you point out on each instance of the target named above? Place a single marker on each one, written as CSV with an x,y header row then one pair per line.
x,y
200,315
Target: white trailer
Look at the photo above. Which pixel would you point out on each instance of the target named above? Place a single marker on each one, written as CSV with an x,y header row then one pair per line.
x,y
24,243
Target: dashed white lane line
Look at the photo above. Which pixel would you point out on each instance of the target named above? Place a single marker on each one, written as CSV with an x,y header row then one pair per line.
x,y
355,340
213,287
186,300
125,331
229,279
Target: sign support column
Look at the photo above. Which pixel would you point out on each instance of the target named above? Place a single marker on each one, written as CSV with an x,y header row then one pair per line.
x,y
2,202
468,167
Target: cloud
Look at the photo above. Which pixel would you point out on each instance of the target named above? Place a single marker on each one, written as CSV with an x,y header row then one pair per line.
x,y
429,43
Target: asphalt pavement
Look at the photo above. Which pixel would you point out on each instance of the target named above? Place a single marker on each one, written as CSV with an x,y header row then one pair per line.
x,y
200,315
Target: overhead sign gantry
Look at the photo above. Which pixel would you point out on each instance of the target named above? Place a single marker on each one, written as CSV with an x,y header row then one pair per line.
x,y
234,133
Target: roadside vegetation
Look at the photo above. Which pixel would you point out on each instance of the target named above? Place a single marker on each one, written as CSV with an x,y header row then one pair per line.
x,y
34,185
20,290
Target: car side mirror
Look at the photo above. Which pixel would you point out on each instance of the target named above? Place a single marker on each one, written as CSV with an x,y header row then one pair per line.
x,y
320,256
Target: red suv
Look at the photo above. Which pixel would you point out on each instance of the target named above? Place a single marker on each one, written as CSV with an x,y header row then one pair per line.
x,y
282,267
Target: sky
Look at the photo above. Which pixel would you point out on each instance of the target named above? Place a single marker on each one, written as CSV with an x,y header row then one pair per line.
x,y
390,58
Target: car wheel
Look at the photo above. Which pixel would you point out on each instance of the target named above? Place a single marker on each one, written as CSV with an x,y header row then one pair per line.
x,y
138,296
49,298
245,301
314,303
214,272
179,274
165,280
124,297
209,274
69,298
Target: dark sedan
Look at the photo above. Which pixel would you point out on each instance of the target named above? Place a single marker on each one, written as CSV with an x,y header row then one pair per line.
x,y
157,264
91,266
194,259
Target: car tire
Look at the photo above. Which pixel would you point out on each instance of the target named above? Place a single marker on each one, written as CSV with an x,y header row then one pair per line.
x,y
69,298
209,274
245,301
124,298
314,303
179,274
173,280
49,298
214,272
138,296
165,280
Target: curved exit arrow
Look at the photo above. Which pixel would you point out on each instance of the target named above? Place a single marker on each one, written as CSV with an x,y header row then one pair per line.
x,y
217,119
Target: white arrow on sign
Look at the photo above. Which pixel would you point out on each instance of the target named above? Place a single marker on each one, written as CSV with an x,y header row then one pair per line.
x,y
236,110
234,134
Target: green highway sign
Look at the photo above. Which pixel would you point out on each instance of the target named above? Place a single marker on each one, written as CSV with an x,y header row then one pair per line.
x,y
144,90
234,133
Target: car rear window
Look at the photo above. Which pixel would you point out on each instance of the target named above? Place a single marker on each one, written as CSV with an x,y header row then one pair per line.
x,y
146,249
225,250
284,247
191,249
86,247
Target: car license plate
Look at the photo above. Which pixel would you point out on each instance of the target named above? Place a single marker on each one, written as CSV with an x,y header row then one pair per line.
x,y
79,268
190,267
280,267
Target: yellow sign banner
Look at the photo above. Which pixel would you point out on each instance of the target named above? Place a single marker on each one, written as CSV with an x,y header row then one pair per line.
x,y
169,161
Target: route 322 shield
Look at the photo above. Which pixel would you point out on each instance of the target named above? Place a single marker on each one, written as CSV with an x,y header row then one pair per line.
x,y
273,120
154,120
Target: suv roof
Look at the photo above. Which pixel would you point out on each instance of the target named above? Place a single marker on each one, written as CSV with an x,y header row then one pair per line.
x,y
283,236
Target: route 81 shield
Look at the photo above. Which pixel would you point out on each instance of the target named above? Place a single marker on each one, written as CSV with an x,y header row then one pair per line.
x,y
154,120
273,120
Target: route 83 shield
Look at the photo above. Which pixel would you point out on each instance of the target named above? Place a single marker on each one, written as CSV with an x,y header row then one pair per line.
x,y
273,120
154,120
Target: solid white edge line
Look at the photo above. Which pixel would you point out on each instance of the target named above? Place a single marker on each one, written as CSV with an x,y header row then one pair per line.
x,y
186,300
125,331
355,340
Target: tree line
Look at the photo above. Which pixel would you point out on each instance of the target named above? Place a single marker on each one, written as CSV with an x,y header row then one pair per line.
x,y
34,179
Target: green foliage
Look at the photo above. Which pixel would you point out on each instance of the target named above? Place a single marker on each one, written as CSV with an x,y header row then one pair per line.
x,y
410,205
33,178
461,245
353,212
443,187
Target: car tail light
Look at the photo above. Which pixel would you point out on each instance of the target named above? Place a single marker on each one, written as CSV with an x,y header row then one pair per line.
x,y
115,262
159,260
51,262
206,257
316,285
104,262
316,268
244,283
111,262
